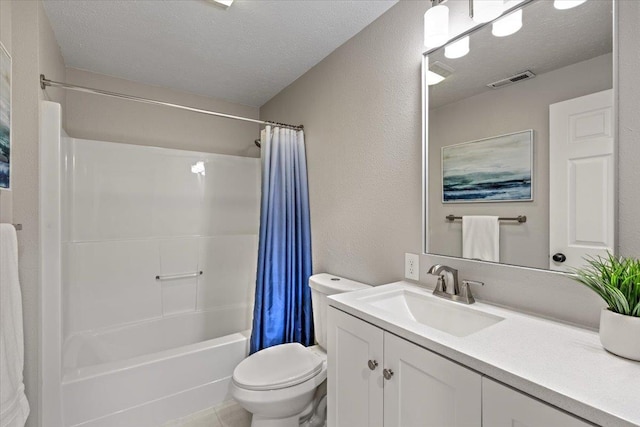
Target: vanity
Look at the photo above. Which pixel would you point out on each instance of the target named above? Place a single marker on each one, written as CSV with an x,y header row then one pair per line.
x,y
400,357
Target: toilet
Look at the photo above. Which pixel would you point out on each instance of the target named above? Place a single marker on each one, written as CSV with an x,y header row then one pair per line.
x,y
283,386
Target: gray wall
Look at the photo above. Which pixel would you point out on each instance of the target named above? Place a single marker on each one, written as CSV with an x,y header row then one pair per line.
x,y
361,111
116,120
34,51
514,108
629,131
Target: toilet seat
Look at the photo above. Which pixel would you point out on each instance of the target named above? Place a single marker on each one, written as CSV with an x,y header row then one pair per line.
x,y
277,367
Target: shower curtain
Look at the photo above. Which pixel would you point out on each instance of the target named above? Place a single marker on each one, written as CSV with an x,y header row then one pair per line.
x,y
282,311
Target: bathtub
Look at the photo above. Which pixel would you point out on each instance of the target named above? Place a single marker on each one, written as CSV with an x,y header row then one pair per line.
x,y
148,373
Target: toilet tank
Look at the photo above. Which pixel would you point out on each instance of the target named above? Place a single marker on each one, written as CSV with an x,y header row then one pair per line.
x,y
323,285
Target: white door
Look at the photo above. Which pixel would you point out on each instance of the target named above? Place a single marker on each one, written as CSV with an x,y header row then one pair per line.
x,y
581,179
504,407
354,388
427,390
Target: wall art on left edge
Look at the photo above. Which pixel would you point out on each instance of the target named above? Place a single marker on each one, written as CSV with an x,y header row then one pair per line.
x,y
5,119
496,169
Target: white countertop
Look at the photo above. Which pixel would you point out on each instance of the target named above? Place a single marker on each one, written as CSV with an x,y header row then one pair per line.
x,y
562,365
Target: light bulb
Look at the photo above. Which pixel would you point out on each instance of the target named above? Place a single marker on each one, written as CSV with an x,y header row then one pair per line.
x,y
436,26
508,25
487,10
567,4
433,78
457,49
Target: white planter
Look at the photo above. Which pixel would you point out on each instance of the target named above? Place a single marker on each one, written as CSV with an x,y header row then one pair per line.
x,y
620,334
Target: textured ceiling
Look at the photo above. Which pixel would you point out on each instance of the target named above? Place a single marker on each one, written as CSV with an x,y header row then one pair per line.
x,y
549,39
245,54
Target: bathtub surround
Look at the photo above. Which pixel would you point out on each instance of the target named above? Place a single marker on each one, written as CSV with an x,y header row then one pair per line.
x,y
130,217
365,170
282,311
134,213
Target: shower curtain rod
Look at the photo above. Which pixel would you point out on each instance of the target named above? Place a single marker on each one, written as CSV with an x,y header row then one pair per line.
x,y
44,82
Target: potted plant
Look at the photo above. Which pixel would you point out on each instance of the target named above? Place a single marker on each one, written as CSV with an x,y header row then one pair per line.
x,y
617,281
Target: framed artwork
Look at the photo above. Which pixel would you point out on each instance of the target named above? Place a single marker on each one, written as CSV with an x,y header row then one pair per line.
x,y
5,119
496,169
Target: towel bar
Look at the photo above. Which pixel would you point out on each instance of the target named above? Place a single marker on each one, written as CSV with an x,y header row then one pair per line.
x,y
520,218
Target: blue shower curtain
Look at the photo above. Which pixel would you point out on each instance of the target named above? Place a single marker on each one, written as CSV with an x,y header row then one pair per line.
x,y
282,311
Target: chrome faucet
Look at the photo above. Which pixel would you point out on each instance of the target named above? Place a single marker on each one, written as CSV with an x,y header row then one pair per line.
x,y
443,280
447,286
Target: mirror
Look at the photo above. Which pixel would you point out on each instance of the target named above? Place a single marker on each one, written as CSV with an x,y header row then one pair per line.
x,y
522,128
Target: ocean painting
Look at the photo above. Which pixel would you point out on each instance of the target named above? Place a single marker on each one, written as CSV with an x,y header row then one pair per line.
x,y
5,119
496,169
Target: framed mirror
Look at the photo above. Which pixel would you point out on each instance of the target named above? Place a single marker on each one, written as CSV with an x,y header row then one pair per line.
x,y
519,140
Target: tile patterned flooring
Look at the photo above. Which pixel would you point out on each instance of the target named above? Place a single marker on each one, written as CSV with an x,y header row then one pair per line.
x,y
227,414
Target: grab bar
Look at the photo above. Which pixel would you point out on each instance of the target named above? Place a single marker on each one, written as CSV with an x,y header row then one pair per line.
x,y
179,276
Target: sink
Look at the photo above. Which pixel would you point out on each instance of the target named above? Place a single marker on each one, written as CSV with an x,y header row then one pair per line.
x,y
446,316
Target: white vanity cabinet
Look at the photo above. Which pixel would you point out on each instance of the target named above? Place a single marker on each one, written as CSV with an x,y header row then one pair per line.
x,y
378,379
505,407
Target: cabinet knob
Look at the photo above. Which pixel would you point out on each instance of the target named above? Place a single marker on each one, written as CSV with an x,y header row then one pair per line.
x,y
372,364
387,374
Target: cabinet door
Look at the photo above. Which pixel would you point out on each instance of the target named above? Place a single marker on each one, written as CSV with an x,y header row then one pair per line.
x,y
354,390
504,407
428,390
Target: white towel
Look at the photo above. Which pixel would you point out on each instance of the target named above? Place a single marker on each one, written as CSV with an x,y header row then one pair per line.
x,y
481,238
14,408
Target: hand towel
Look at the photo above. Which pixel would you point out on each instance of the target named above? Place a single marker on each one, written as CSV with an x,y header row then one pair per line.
x,y
481,238
14,408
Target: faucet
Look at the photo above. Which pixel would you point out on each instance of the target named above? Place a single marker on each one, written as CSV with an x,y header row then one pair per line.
x,y
447,286
446,274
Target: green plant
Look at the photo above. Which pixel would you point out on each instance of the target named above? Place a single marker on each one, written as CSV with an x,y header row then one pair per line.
x,y
616,280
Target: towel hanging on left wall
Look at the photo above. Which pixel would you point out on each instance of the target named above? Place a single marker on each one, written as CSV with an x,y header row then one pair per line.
x,y
14,408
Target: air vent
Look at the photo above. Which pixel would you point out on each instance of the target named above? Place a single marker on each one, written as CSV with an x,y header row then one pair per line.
x,y
441,69
511,80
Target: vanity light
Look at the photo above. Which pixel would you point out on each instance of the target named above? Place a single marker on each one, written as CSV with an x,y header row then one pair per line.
x,y
457,49
508,25
436,25
433,78
567,4
487,10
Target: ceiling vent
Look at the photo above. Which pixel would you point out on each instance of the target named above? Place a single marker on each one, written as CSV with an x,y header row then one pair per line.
x,y
511,80
442,69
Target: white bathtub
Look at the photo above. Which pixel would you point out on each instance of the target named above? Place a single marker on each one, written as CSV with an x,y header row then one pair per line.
x,y
147,373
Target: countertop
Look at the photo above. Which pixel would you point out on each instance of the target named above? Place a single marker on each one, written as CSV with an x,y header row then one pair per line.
x,y
562,365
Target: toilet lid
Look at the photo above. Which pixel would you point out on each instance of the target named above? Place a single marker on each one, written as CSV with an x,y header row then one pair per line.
x,y
277,367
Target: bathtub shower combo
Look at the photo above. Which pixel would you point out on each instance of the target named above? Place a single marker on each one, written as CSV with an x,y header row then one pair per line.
x,y
158,255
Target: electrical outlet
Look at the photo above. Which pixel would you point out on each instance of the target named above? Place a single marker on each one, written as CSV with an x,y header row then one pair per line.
x,y
412,266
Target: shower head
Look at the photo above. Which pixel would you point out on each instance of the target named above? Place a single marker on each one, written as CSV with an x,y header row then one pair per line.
x,y
257,142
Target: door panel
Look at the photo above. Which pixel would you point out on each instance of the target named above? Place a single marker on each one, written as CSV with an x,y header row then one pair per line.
x,y
504,407
354,390
428,390
581,172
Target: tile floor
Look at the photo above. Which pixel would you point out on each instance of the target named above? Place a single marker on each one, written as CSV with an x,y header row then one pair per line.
x,y
227,414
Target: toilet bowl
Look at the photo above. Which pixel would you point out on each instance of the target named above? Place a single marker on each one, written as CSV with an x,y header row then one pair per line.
x,y
278,384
